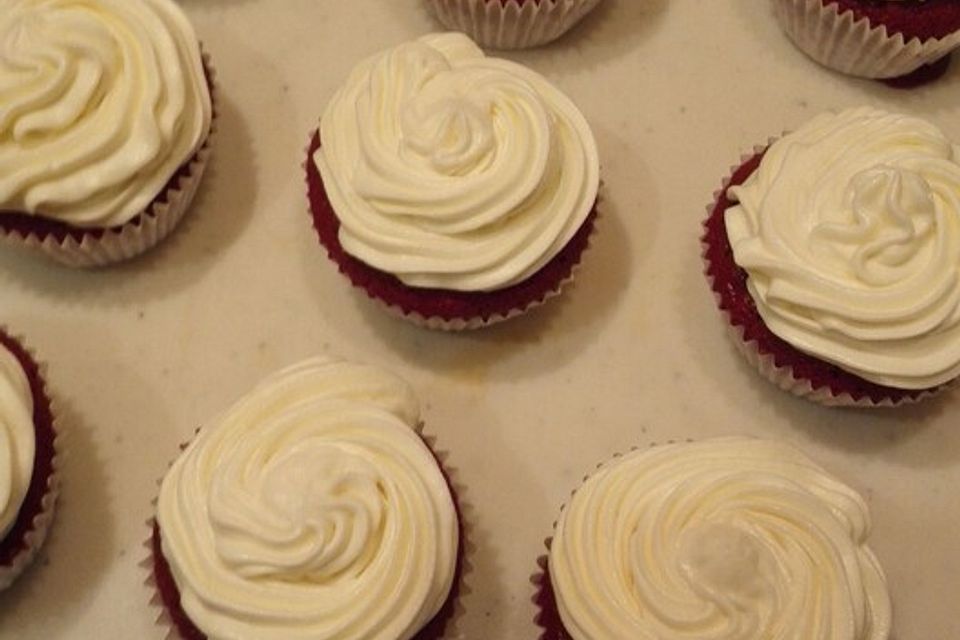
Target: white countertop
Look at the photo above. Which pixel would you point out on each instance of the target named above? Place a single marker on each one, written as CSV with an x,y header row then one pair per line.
x,y
634,352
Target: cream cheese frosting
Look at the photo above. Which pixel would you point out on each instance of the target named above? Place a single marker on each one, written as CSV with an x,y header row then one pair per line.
x,y
17,439
311,509
453,170
725,539
849,231
101,102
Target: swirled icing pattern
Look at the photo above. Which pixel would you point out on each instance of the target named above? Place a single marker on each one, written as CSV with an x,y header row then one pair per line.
x,y
101,101
17,442
311,509
452,170
726,539
850,233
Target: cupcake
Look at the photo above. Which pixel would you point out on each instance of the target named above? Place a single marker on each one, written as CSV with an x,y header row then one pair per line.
x,y
726,538
874,38
512,24
104,126
834,256
28,460
457,190
312,508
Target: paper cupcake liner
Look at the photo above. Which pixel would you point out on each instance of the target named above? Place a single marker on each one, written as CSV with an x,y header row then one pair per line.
x,y
165,596
22,543
855,47
513,24
437,308
548,614
779,362
98,247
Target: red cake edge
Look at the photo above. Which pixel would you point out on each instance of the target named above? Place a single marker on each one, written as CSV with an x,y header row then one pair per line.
x,y
441,308
28,533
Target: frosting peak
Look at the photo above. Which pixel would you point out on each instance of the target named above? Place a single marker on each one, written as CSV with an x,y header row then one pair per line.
x,y
453,170
101,102
311,509
850,232
725,539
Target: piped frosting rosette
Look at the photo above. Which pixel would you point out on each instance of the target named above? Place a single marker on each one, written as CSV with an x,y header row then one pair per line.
x,y
451,170
849,231
102,104
725,539
311,509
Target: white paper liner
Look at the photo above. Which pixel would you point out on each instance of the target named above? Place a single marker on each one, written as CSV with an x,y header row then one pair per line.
x,y
836,41
37,534
512,25
165,622
781,375
145,230
437,323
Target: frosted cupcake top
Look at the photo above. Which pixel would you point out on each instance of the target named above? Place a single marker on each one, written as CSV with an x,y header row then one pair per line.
x,y
726,539
101,102
311,509
453,170
17,439
850,233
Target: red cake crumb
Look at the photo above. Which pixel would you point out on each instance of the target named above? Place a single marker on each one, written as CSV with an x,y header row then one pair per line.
x,y
15,542
170,594
441,303
729,282
923,20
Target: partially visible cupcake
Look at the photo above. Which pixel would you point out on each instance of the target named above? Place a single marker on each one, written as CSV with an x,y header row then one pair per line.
x,y
873,38
458,190
29,480
105,118
511,24
312,508
834,255
725,538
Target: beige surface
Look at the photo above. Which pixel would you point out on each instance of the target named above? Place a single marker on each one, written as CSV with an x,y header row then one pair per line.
x,y
634,352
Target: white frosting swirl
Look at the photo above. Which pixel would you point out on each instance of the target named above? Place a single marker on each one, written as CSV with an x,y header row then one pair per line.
x,y
850,233
726,539
452,170
311,509
17,439
101,101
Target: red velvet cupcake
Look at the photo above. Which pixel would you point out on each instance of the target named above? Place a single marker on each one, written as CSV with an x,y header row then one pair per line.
x,y
28,459
109,162
511,24
460,204
724,538
819,291
311,508
881,39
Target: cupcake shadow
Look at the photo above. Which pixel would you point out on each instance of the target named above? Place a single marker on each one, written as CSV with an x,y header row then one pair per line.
x,y
218,215
79,543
